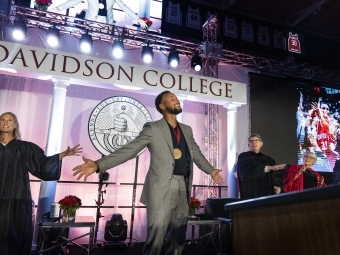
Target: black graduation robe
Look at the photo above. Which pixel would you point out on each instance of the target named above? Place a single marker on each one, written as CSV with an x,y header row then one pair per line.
x,y
253,181
18,158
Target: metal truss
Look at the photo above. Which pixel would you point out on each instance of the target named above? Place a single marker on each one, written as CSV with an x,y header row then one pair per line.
x,y
106,32
211,146
211,131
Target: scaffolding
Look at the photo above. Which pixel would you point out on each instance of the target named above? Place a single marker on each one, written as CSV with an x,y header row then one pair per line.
x,y
211,55
284,67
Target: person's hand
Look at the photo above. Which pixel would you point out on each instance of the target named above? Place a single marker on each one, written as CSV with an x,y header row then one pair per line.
x,y
217,178
71,151
303,168
86,169
315,106
276,167
142,24
277,190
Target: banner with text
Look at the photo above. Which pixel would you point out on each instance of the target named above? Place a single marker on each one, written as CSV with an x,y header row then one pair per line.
x,y
87,68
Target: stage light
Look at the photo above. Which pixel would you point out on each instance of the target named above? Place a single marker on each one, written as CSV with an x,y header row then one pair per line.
x,y
115,230
147,54
86,43
19,30
173,58
52,37
196,62
118,48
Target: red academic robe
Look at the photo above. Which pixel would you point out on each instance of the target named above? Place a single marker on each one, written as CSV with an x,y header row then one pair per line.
x,y
293,180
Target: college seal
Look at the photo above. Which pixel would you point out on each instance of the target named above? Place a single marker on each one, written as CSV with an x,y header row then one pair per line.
x,y
115,122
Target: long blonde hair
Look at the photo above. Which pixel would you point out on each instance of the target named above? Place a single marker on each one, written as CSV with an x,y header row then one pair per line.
x,y
16,131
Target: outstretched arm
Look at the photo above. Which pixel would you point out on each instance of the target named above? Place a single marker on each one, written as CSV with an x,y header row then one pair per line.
x,y
118,157
130,13
64,6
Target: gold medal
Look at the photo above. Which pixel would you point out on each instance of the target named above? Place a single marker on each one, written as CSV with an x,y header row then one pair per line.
x,y
177,153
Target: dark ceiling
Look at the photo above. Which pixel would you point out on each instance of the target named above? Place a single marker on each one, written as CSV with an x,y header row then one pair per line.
x,y
318,20
317,17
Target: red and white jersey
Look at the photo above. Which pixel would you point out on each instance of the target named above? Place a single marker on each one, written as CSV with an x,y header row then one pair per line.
x,y
324,138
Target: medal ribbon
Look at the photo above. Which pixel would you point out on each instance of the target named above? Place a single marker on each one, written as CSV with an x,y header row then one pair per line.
x,y
177,133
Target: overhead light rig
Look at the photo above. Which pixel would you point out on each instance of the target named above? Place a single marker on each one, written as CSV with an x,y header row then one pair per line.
x,y
105,32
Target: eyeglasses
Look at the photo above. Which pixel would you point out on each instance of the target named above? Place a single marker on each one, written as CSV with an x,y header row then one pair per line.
x,y
309,157
254,141
325,108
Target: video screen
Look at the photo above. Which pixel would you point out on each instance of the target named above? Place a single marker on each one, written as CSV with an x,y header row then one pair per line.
x,y
123,13
294,116
318,124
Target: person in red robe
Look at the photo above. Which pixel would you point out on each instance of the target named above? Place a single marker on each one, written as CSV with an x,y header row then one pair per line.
x,y
301,177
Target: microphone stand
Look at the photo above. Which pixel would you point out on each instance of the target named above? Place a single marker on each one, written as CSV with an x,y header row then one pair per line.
x,y
103,176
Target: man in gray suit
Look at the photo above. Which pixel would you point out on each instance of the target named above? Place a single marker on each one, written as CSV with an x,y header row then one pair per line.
x,y
167,186
100,10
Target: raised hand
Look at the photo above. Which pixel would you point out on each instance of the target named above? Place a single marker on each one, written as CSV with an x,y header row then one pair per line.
x,y
74,151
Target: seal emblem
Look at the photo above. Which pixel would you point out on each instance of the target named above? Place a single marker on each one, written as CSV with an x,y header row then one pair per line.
x,y
115,122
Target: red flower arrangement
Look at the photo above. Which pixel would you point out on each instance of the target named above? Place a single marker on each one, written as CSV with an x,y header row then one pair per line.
x,y
147,21
194,205
70,203
43,4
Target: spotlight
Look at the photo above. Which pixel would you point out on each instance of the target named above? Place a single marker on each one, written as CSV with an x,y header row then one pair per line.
x,y
85,43
115,230
19,30
196,62
147,54
52,37
173,58
118,48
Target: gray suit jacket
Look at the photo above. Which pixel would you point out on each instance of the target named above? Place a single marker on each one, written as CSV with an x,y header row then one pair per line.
x,y
157,138
93,8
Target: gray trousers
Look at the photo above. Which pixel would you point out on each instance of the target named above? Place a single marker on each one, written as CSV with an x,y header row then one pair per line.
x,y
169,221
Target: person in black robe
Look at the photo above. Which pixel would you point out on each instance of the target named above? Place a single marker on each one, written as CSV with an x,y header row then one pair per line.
x,y
336,172
257,173
17,159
